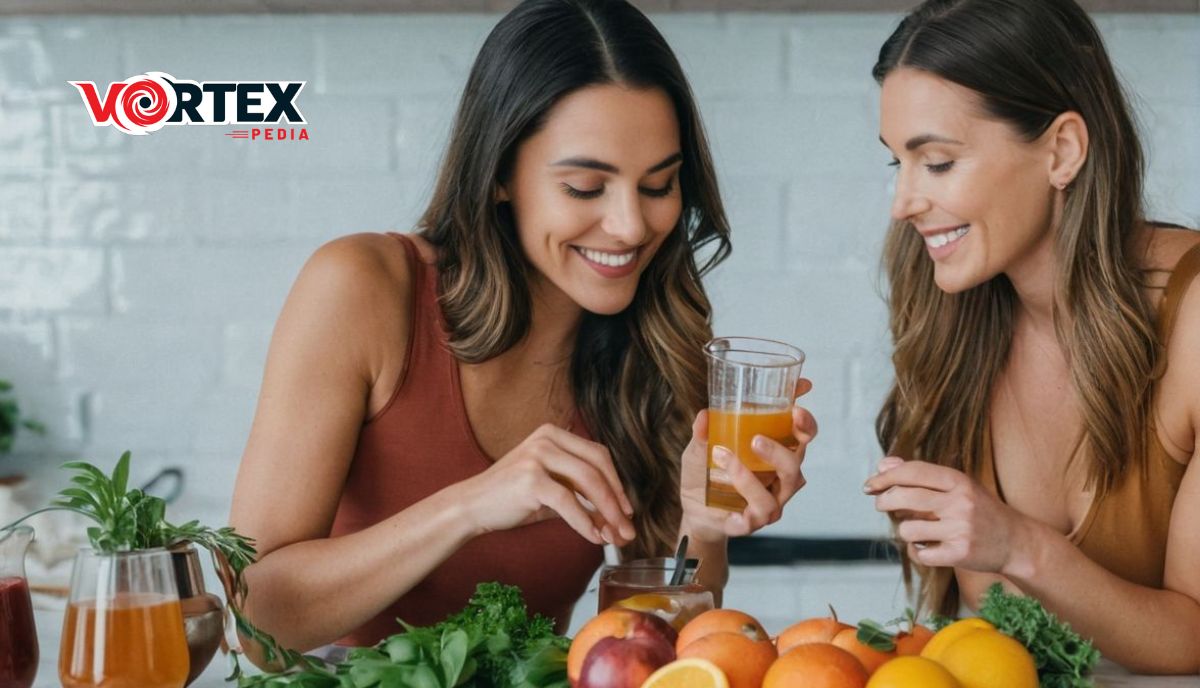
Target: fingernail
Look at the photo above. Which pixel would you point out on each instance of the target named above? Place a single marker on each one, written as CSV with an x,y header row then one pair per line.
x,y
628,532
596,534
867,488
606,535
738,521
721,457
760,443
628,508
889,463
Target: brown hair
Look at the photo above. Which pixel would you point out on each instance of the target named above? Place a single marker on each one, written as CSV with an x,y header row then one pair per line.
x,y
638,376
1029,61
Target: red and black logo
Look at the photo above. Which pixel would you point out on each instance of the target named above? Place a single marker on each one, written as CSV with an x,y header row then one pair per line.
x,y
147,102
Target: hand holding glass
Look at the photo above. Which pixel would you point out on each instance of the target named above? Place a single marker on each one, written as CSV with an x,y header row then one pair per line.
x,y
751,390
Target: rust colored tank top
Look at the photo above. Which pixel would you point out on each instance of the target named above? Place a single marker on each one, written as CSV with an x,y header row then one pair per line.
x,y
1126,530
421,442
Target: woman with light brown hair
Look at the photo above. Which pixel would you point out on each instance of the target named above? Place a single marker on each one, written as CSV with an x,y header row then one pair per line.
x,y
521,381
1042,427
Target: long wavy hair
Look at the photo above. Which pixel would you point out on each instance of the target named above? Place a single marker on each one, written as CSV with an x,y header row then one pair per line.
x,y
638,377
1029,61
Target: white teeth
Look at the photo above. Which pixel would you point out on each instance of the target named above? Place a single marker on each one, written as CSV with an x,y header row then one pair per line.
x,y
614,260
939,240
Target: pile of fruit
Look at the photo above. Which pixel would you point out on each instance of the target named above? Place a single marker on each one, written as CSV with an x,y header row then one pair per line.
x,y
625,647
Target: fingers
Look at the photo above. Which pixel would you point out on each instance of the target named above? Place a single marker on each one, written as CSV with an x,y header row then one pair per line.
x,y
564,503
595,454
803,386
917,499
700,426
913,474
804,424
762,507
585,479
919,531
786,462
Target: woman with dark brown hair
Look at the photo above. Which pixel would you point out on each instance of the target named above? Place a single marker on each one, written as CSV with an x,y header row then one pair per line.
x,y
1042,427
496,396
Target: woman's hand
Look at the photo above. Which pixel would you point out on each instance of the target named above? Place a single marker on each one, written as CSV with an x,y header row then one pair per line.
x,y
553,472
764,504
946,518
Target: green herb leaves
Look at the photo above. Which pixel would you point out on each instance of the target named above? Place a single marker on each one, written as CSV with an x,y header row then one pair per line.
x,y
1062,657
492,643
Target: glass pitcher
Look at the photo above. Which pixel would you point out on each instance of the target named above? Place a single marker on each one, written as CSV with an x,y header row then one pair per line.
x,y
124,625
18,637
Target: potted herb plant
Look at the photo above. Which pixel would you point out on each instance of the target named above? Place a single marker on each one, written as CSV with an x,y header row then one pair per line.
x,y
130,534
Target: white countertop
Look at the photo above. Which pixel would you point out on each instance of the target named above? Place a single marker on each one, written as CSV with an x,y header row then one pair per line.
x,y
49,625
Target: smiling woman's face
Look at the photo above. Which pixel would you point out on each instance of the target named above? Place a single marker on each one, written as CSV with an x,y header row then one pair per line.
x,y
596,191
977,193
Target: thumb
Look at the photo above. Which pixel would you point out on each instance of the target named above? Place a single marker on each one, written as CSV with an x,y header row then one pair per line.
x,y
700,426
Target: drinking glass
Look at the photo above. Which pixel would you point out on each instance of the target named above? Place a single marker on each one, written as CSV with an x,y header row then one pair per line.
x,y
751,389
644,585
124,625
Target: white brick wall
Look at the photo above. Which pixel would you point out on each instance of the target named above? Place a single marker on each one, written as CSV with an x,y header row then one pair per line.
x,y
140,277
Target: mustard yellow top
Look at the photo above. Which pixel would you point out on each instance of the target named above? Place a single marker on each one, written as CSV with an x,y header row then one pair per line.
x,y
1126,530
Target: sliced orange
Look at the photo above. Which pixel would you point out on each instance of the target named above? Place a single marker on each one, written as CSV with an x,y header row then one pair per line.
x,y
687,673
650,602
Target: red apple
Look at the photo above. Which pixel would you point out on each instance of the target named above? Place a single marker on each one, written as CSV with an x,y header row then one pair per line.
x,y
615,622
624,662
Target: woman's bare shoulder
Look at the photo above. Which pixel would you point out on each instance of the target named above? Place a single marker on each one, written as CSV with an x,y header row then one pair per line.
x,y
1165,245
1179,396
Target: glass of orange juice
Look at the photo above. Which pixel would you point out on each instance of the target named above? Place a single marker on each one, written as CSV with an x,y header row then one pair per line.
x,y
124,624
751,389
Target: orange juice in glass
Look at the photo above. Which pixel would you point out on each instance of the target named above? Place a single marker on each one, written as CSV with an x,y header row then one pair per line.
x,y
124,624
751,389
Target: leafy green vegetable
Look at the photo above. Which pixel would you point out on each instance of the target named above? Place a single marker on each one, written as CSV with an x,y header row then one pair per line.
x,y
1063,658
492,643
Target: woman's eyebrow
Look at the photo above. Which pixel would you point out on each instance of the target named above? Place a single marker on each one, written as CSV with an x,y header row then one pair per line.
x,y
922,139
593,164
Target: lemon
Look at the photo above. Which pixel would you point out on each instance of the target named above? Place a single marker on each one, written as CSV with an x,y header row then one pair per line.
x,y
943,638
985,658
650,602
912,672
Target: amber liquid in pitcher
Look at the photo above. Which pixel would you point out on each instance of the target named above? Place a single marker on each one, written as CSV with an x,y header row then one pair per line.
x,y
130,641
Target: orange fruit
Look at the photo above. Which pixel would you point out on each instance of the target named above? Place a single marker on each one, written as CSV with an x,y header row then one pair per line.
x,y
816,665
912,672
817,630
871,658
718,620
687,673
945,637
743,660
984,658
912,642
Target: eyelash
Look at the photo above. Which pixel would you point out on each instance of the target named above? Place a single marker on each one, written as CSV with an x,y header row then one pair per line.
x,y
595,193
935,169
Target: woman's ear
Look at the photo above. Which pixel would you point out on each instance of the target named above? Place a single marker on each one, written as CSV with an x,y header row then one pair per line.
x,y
1068,141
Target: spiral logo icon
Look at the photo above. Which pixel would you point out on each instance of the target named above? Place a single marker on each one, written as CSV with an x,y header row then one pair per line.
x,y
146,102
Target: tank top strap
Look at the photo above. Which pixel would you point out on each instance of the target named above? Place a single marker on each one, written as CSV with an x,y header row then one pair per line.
x,y
1177,286
422,336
